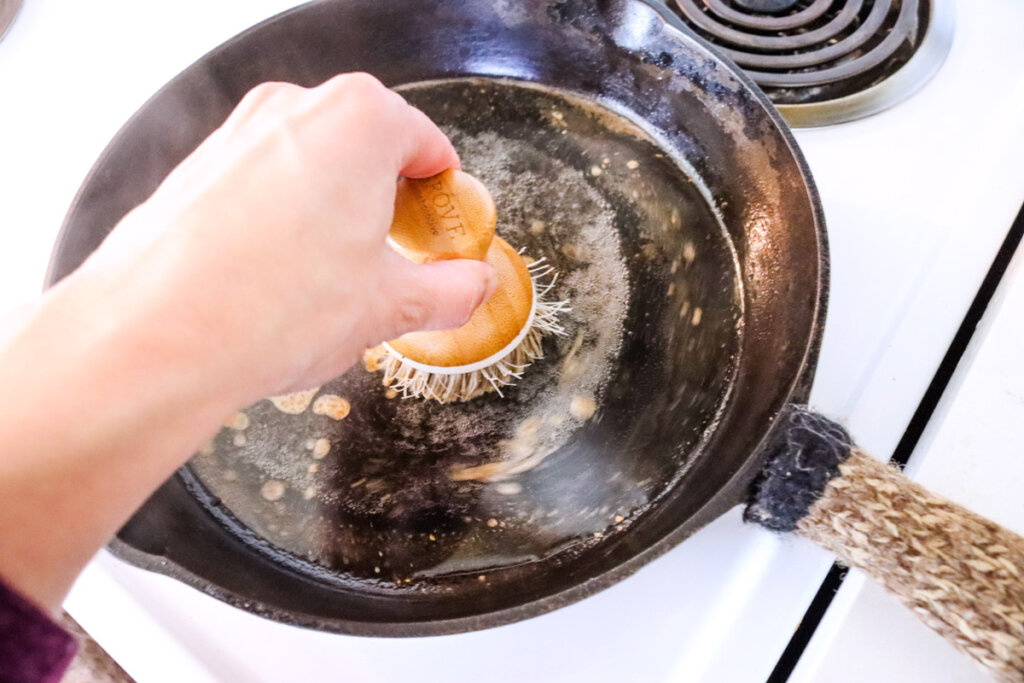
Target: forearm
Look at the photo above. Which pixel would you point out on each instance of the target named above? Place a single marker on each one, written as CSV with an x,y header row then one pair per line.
x,y
259,266
102,399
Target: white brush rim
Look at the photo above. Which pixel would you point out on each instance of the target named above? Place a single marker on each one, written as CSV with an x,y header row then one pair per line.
x,y
479,365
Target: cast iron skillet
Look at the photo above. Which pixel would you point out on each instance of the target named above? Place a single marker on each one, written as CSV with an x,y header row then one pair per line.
x,y
708,252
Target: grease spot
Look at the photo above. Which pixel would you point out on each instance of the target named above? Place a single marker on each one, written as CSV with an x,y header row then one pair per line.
x,y
582,407
272,489
238,421
334,407
321,448
295,403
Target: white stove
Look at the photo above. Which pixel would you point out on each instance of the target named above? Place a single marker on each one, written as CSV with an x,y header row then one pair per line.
x,y
918,200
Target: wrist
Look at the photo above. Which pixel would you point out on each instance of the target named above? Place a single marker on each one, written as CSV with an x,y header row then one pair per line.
x,y
155,305
145,340
107,402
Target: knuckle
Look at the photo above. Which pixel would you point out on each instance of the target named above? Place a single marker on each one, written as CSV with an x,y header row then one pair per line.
x,y
411,314
360,84
360,102
257,102
259,94
357,100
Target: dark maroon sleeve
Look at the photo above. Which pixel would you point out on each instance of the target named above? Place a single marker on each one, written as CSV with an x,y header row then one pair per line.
x,y
33,649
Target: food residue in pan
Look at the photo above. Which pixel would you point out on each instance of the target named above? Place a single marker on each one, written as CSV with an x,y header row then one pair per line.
x,y
373,357
582,407
321,447
272,490
334,407
238,421
294,403
508,488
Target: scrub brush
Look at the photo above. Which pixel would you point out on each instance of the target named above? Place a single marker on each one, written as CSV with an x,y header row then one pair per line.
x,y
448,216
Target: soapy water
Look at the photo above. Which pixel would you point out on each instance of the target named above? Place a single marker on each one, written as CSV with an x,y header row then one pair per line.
x,y
411,489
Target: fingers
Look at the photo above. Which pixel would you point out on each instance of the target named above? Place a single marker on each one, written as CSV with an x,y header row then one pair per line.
x,y
396,135
415,145
435,296
427,150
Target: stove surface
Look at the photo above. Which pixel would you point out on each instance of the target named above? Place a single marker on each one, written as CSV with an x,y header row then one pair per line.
x,y
917,201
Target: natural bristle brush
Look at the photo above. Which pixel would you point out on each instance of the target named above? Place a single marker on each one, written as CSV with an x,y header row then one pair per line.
x,y
452,216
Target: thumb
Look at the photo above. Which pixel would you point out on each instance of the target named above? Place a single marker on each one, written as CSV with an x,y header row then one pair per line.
x,y
434,296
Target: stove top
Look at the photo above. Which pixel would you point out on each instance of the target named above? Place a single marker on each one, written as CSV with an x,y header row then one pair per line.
x,y
917,200
826,61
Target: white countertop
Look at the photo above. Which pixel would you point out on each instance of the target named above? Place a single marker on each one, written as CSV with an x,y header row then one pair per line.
x,y
917,201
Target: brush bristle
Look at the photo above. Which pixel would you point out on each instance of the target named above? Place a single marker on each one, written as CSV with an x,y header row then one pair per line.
x,y
415,382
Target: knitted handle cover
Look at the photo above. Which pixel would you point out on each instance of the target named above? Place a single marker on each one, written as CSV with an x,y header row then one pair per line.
x,y
960,573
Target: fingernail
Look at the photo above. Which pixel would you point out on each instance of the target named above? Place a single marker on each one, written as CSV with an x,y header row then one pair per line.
x,y
490,284
490,279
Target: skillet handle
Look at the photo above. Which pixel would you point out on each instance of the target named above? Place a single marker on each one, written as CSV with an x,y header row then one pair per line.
x,y
962,574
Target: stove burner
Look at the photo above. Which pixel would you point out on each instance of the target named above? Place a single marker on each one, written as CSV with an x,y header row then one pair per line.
x,y
859,55
766,5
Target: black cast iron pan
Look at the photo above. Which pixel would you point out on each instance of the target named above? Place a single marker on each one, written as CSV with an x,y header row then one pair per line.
x,y
672,199
670,196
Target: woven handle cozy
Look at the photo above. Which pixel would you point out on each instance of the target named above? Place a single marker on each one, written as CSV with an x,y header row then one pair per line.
x,y
962,574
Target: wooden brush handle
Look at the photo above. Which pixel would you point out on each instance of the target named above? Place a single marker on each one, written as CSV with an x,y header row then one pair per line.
x,y
448,216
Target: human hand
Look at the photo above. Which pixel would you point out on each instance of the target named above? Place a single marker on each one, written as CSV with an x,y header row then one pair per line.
x,y
270,236
258,267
